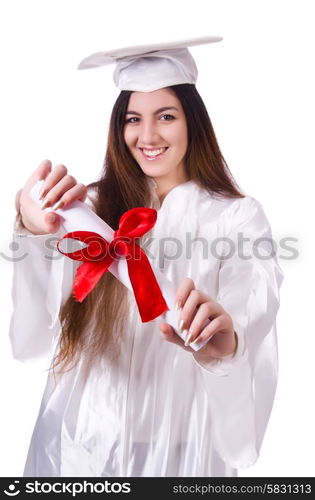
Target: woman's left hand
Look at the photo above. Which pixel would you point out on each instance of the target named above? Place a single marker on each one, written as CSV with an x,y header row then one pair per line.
x,y
196,308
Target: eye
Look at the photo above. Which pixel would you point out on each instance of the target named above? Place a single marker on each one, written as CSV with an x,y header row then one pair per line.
x,y
167,117
133,119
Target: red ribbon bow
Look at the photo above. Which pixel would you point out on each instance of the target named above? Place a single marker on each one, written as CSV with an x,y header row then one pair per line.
x,y
99,254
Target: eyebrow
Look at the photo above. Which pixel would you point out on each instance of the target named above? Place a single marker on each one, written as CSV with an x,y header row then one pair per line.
x,y
160,110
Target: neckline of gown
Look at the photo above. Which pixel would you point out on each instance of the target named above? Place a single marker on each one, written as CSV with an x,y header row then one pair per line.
x,y
155,202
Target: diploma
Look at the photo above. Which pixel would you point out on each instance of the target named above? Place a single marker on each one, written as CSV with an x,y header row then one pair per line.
x,y
78,217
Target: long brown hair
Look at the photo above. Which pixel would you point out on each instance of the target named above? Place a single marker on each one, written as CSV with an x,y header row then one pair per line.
x,y
96,325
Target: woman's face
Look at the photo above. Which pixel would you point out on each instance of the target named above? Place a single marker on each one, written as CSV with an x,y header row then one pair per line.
x,y
156,134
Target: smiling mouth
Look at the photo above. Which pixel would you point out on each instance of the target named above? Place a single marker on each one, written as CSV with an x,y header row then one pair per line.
x,y
153,154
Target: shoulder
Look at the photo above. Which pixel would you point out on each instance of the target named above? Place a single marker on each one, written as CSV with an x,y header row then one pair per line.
x,y
240,206
229,212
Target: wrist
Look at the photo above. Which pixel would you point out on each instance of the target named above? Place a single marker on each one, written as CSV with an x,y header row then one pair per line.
x,y
19,218
203,354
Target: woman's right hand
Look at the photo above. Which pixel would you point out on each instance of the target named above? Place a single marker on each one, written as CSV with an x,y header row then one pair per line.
x,y
58,187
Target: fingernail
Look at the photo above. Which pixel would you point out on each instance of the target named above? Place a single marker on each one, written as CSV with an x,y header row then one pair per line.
x,y
181,326
199,339
57,205
41,193
45,204
187,341
177,306
196,340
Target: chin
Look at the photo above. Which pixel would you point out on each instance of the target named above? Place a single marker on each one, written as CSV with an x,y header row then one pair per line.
x,y
154,172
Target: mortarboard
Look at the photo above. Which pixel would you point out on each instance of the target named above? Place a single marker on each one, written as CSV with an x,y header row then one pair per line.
x,y
146,68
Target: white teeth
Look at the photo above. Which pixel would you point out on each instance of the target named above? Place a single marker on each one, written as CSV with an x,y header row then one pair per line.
x,y
153,152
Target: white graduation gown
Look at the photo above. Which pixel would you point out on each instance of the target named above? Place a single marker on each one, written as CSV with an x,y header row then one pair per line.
x,y
157,411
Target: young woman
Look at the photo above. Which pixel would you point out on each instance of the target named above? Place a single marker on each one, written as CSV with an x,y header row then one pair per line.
x,y
126,398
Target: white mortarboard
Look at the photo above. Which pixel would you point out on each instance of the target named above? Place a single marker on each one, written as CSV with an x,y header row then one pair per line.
x,y
146,68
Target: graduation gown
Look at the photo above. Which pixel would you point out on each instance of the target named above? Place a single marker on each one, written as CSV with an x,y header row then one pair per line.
x,y
156,411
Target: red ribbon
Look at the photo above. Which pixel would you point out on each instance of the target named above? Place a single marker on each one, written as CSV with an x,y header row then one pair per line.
x,y
99,254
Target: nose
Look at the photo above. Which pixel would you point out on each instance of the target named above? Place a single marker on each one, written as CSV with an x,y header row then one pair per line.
x,y
148,133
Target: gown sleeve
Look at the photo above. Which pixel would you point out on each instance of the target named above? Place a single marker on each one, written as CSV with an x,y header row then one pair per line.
x,y
241,387
42,281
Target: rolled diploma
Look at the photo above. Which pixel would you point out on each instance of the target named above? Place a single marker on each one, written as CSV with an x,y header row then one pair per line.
x,y
78,217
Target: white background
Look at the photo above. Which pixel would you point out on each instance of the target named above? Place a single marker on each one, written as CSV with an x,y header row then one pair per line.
x,y
258,85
